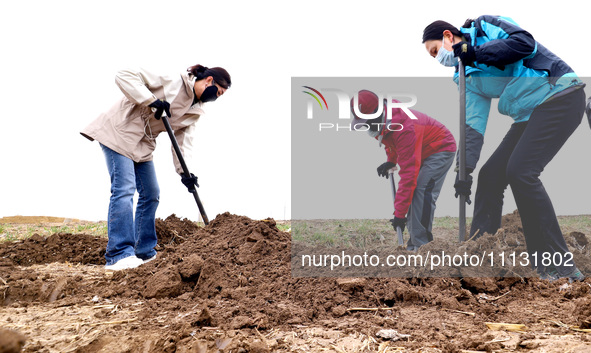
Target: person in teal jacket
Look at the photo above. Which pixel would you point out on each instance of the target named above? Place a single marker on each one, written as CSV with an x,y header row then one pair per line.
x,y
544,97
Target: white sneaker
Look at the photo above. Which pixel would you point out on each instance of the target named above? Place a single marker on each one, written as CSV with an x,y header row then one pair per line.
x,y
125,263
150,259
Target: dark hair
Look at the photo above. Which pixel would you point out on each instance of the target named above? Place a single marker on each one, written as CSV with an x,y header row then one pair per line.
x,y
435,30
468,23
220,75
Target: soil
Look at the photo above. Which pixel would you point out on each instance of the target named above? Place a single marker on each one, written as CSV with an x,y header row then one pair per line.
x,y
228,287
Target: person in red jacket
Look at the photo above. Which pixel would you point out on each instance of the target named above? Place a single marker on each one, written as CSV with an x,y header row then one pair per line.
x,y
423,148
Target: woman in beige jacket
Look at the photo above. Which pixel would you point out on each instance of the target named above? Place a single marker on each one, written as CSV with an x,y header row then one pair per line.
x,y
127,134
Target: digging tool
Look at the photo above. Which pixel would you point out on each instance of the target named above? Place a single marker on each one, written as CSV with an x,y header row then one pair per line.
x,y
393,185
186,172
462,146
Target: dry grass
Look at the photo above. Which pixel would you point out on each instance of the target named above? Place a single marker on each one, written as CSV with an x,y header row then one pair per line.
x,y
23,227
361,232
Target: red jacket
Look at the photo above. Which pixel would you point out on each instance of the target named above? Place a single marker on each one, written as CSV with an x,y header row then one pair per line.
x,y
417,140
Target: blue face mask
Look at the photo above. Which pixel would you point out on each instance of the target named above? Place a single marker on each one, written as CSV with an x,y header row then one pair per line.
x,y
446,57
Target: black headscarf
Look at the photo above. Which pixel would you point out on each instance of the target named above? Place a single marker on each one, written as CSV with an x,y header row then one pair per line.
x,y
435,30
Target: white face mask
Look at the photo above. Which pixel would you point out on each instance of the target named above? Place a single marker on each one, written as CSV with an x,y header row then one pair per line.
x,y
380,127
373,134
376,134
446,57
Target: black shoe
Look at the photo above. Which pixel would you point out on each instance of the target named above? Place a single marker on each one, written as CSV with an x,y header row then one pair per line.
x,y
575,275
549,274
552,275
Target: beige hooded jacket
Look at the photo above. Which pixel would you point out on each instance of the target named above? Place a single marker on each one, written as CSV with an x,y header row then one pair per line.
x,y
129,127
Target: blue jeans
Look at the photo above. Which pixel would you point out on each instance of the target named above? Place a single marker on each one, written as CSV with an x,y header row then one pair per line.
x,y
128,237
422,208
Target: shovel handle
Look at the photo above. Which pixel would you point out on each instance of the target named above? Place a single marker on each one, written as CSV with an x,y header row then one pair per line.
x,y
393,186
186,172
462,149
400,238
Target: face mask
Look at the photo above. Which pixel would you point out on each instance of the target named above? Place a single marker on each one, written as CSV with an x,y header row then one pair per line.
x,y
375,129
446,57
209,94
373,134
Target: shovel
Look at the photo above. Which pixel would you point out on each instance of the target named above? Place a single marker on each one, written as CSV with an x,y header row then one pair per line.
x,y
393,185
462,148
186,172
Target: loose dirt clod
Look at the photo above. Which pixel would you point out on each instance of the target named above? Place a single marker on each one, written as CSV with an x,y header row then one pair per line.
x,y
11,341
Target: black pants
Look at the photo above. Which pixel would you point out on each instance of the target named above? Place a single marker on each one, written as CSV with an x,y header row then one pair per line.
x,y
518,161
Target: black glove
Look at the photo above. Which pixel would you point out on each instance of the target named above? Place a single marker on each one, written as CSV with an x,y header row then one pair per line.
x,y
161,106
465,52
190,182
398,222
464,187
384,167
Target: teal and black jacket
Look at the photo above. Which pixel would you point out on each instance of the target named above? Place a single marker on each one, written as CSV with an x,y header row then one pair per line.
x,y
511,66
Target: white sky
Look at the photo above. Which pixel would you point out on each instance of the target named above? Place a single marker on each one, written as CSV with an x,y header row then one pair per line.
x,y
59,59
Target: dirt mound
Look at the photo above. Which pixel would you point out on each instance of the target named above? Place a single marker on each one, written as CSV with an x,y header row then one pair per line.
x,y
235,260
83,248
174,230
59,247
234,276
